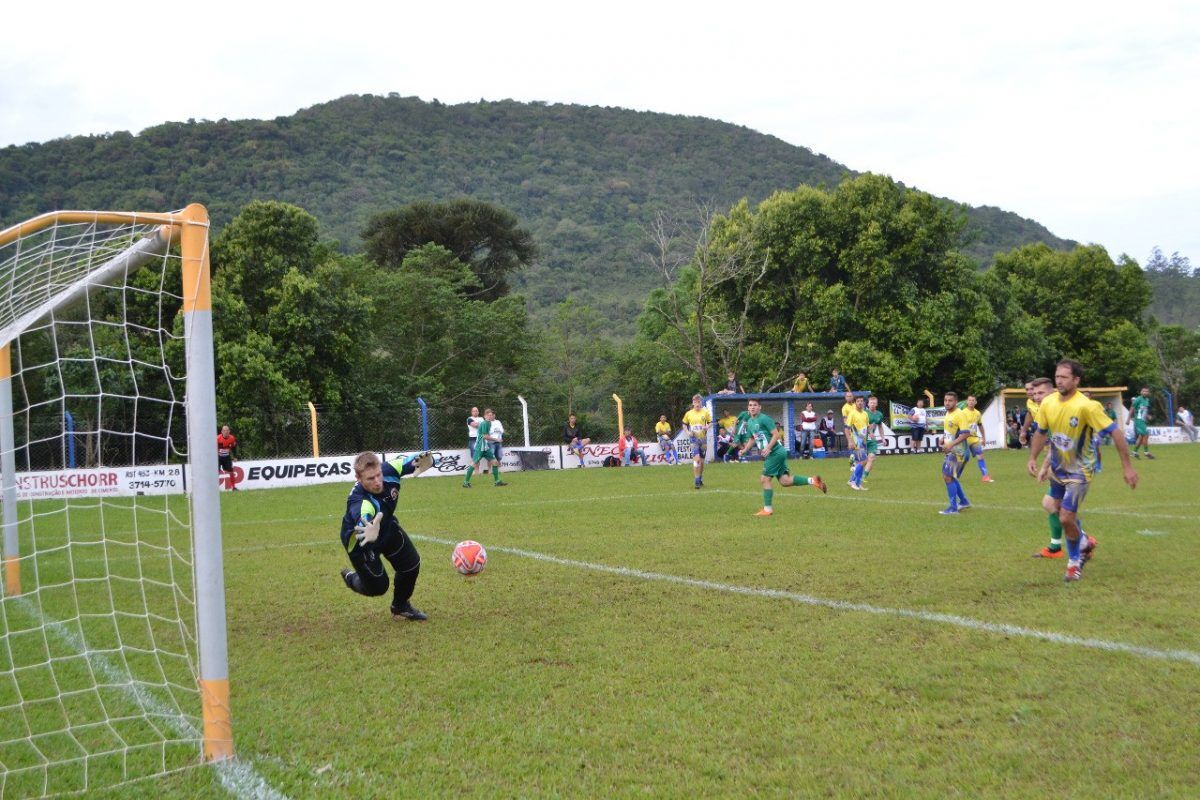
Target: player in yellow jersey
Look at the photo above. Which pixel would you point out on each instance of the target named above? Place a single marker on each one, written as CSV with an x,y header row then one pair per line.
x,y
662,429
698,421
847,409
1073,424
954,444
978,437
857,424
1035,390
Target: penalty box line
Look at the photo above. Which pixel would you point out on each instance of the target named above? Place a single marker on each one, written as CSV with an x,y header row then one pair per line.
x,y
1185,656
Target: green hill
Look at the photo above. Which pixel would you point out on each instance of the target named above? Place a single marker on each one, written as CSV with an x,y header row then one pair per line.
x,y
584,180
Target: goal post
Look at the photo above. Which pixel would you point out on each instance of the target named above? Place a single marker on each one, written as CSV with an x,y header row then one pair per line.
x,y
113,606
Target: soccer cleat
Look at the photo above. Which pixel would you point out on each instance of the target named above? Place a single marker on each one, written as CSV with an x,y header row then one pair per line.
x,y
763,513
816,481
1088,548
948,511
850,483
499,483
863,489
1135,455
1074,573
1046,552
466,486
1149,455
346,578
410,613
988,479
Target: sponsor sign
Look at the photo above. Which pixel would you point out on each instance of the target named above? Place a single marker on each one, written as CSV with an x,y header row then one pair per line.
x,y
455,462
934,417
100,482
275,472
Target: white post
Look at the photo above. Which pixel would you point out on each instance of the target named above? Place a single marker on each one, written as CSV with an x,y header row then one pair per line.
x,y
206,499
524,417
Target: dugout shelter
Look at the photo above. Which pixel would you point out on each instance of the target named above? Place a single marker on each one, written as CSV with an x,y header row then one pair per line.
x,y
1010,402
783,407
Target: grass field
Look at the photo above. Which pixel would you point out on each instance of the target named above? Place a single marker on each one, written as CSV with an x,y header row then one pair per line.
x,y
632,636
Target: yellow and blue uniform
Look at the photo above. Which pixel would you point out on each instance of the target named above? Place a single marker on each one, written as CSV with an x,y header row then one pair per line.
x,y
857,423
1073,428
954,425
697,423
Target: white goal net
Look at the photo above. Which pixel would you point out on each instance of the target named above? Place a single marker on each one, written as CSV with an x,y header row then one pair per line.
x,y
109,670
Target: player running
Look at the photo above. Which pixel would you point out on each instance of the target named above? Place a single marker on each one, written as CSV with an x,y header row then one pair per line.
x,y
698,421
1073,424
874,435
762,431
487,449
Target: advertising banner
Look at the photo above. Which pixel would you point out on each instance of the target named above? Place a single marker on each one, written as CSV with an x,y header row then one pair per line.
x,y
899,421
100,482
276,472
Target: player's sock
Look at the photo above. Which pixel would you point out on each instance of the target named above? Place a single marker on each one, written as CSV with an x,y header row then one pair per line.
x,y
768,495
983,467
801,480
866,474
952,494
470,472
858,475
496,474
1073,548
1056,533
962,496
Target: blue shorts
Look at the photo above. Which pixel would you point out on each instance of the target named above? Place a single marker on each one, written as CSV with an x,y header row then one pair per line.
x,y
665,442
953,464
860,455
976,450
1069,494
699,447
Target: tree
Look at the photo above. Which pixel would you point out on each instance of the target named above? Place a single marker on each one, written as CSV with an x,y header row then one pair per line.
x,y
479,234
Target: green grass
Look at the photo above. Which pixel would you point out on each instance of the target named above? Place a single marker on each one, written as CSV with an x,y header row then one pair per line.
x,y
560,678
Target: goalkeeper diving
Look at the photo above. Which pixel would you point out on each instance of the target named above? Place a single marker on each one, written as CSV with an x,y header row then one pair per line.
x,y
371,534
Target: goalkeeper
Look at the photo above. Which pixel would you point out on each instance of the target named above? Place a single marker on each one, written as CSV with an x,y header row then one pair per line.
x,y
370,532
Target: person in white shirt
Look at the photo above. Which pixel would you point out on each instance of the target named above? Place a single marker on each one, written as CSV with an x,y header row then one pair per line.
x,y
473,427
497,436
806,430
1187,422
918,424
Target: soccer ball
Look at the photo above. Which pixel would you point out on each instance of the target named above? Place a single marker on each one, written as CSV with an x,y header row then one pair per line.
x,y
469,557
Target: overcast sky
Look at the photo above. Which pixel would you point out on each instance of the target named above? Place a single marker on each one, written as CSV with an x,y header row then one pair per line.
x,y
1082,116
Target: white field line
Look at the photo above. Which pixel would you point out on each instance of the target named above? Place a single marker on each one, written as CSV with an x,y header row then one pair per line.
x,y
1186,656
239,778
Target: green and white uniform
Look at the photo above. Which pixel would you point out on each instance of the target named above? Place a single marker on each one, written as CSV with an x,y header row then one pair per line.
x,y
760,429
1140,409
874,420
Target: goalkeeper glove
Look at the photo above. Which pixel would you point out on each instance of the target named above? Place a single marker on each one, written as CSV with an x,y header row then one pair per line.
x,y
423,462
367,531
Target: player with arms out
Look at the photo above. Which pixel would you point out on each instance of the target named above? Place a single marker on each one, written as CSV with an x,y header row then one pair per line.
x,y
370,532
1139,409
954,444
1073,424
698,421
762,431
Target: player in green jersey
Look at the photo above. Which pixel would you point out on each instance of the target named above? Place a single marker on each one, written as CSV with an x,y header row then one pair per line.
x,y
486,449
1139,409
762,431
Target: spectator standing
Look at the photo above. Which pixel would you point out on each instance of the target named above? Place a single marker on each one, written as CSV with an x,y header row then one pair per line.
x,y
807,430
918,419
473,422
837,382
1186,421
226,447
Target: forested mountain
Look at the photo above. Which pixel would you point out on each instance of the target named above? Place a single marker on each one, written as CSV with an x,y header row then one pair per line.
x,y
584,180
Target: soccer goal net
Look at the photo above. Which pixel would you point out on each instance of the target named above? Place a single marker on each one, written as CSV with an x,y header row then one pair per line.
x,y
113,660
